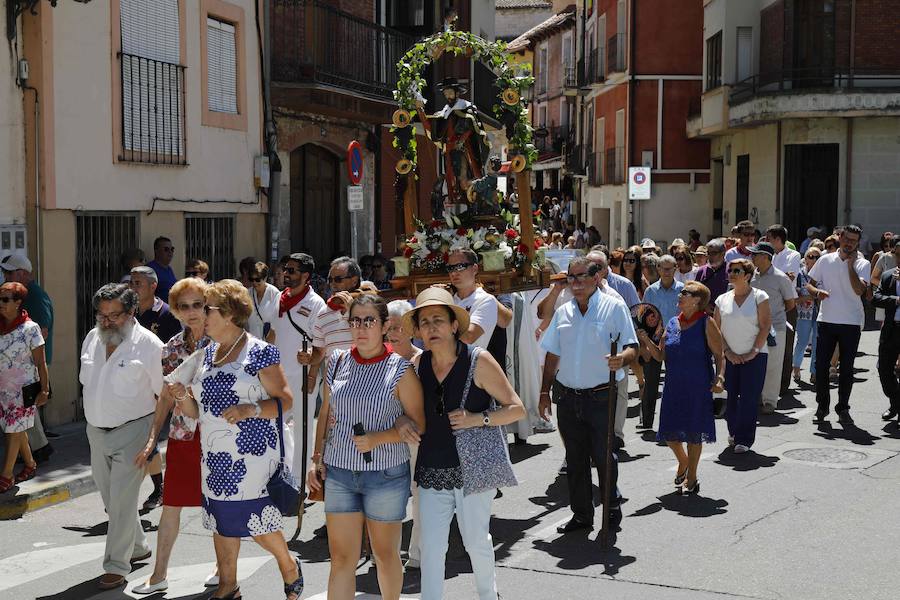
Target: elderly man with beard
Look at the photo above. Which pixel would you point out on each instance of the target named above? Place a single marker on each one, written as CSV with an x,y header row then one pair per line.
x,y
121,371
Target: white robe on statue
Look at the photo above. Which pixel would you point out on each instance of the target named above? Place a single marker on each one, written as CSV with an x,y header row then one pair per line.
x,y
523,357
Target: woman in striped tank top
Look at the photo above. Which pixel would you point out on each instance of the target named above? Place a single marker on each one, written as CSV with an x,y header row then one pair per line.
x,y
367,476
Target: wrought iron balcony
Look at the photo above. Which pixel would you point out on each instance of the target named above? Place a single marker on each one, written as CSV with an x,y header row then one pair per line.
x,y
615,166
313,42
615,55
815,80
570,78
597,66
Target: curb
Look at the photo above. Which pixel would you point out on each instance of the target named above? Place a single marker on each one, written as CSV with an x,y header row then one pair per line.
x,y
50,494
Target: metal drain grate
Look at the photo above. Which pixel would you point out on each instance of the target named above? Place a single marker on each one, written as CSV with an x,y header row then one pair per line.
x,y
826,455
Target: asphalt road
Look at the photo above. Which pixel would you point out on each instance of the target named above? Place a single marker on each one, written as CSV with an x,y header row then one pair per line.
x,y
810,514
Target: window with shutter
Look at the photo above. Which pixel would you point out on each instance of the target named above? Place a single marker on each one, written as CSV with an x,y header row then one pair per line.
x,y
152,81
221,71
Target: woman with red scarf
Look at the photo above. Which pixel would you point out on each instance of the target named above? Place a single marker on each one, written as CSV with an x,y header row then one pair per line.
x,y
688,346
24,383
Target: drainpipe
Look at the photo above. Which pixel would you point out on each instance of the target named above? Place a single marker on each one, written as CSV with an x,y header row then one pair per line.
x,y
269,133
852,40
632,234
847,173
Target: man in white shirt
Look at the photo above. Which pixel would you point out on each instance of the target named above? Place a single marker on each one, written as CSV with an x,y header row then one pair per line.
x,y
121,371
293,316
788,262
462,266
839,280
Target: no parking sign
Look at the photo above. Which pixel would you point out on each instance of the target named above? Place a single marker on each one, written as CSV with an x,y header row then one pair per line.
x,y
638,183
354,162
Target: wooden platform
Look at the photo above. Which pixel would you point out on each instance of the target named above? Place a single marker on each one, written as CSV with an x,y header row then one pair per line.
x,y
503,282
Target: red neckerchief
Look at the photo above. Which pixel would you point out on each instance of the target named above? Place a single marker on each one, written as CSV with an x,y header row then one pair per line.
x,y
688,321
7,327
286,302
743,250
335,305
375,359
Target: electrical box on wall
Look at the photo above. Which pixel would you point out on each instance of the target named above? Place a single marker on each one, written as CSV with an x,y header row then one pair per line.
x,y
12,241
261,172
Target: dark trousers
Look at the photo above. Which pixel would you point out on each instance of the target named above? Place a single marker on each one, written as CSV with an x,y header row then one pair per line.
x,y
583,421
744,384
846,339
888,351
788,366
652,371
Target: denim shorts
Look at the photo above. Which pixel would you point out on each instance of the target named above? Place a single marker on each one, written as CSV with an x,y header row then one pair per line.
x,y
379,495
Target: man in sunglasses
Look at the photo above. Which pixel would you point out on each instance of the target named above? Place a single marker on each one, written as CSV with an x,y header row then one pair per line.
x,y
163,253
579,361
746,238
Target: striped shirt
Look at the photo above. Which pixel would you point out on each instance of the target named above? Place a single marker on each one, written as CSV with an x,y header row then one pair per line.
x,y
331,331
362,391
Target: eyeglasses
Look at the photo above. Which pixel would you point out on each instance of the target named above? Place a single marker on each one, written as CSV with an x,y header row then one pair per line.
x,y
339,278
629,261
736,271
111,316
459,267
209,307
367,322
191,273
578,277
184,306
439,407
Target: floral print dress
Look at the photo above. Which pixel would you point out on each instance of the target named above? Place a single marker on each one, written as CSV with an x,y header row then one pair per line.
x,y
237,459
17,369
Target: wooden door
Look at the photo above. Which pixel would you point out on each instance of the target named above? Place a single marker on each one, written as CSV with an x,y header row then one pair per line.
x,y
810,187
315,207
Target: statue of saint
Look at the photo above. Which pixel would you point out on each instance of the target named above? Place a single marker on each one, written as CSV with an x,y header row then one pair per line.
x,y
458,132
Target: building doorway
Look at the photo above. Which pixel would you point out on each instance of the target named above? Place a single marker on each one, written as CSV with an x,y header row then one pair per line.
x,y
742,198
814,43
317,222
810,187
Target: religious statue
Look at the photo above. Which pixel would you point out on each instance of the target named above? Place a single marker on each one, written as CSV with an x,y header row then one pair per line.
x,y
457,131
482,193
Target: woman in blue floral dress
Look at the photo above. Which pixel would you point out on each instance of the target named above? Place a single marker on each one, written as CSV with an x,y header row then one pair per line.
x,y
234,393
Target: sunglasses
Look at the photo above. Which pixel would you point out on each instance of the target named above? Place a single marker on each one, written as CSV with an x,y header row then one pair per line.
x,y
339,278
209,307
629,261
439,407
686,293
7,299
459,267
812,257
367,322
184,306
191,273
578,277
736,271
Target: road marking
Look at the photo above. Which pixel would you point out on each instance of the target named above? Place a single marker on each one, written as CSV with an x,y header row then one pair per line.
x,y
549,529
358,596
187,580
31,566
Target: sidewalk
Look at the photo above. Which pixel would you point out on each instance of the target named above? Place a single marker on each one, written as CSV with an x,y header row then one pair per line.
x,y
66,475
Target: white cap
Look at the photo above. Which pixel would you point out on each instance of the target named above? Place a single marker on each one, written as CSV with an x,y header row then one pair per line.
x,y
14,262
648,243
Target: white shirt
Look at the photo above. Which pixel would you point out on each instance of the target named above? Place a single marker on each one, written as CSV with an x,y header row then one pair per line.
x,y
262,308
287,338
843,306
787,261
482,309
124,386
740,324
685,277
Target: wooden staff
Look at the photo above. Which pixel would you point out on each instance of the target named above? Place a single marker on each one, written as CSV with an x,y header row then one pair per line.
x,y
410,204
526,219
610,434
304,439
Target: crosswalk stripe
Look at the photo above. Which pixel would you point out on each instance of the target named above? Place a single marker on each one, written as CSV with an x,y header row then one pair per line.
x,y
38,564
188,579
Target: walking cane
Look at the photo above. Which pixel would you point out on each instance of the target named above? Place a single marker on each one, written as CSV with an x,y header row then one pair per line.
x,y
610,425
305,441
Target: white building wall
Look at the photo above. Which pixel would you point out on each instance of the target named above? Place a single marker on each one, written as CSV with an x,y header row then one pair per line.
x,y
12,141
510,23
672,211
875,175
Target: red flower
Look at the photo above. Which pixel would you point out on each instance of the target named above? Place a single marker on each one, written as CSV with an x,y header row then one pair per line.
x,y
408,252
537,213
413,240
511,234
538,243
436,223
522,249
446,256
462,231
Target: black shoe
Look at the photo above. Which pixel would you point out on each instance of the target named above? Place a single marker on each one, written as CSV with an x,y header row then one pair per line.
x,y
890,414
42,455
618,444
153,500
844,418
819,417
615,514
574,525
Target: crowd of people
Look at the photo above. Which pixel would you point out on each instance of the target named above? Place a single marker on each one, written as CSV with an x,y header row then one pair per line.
x,y
372,402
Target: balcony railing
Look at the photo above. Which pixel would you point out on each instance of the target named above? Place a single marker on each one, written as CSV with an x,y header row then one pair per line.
x,y
595,169
615,54
597,66
574,159
615,166
570,77
314,42
153,116
813,80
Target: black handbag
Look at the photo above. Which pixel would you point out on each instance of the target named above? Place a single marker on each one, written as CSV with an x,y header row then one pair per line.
x,y
30,393
282,487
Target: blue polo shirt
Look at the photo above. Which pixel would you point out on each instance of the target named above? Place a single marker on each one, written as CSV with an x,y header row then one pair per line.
x,y
166,278
582,341
666,300
625,288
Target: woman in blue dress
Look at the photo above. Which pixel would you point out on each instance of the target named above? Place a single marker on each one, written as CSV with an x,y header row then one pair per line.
x,y
233,392
690,343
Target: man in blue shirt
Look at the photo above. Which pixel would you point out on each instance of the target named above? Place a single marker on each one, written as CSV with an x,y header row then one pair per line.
x,y
578,343
163,252
664,296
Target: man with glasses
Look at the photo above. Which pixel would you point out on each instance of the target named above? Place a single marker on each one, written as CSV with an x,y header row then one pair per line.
x,y
462,266
887,296
839,280
579,360
121,371
331,331
664,296
746,238
163,253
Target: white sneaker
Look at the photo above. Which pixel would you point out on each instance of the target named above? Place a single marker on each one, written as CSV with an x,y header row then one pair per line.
x,y
150,588
212,580
544,426
741,449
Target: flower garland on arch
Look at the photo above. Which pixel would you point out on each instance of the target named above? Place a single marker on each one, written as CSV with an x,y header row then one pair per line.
x,y
509,109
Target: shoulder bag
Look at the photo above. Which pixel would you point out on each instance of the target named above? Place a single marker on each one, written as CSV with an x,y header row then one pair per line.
x,y
282,487
483,453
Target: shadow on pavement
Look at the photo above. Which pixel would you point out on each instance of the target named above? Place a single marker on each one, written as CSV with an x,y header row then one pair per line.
x,y
697,506
624,457
749,461
776,419
892,430
102,528
851,433
522,452
578,550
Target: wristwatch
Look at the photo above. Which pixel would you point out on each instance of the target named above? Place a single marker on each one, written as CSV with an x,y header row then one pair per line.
x,y
487,418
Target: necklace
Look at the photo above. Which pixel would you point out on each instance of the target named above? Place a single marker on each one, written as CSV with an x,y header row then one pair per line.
x,y
221,361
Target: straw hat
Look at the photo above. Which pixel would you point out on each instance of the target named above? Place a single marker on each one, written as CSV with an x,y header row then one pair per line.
x,y
700,250
436,296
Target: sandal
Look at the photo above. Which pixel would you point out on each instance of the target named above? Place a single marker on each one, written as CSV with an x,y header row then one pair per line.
x,y
27,472
294,589
6,484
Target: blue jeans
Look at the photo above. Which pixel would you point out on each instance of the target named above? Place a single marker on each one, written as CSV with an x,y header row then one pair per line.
x,y
744,384
379,495
806,333
473,514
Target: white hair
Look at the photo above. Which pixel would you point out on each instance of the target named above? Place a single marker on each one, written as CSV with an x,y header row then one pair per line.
x,y
667,259
398,308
